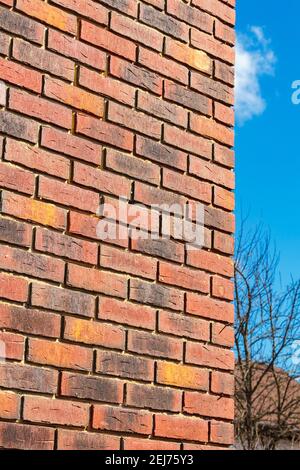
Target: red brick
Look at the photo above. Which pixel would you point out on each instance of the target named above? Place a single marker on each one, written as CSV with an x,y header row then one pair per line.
x,y
153,397
97,281
14,346
125,366
157,295
130,263
221,433
211,406
136,31
25,437
122,420
224,32
211,129
224,114
75,440
107,86
209,356
13,288
183,277
49,14
186,141
37,159
18,126
161,153
91,388
181,427
223,242
216,8
187,98
45,410
209,308
30,321
17,179
166,67
163,22
71,145
212,88
107,40
104,132
222,288
68,195
21,76
135,75
224,198
127,313
223,335
87,8
39,108
74,96
36,211
193,57
77,50
62,300
103,181
187,185
66,246
27,377
190,15
60,355
15,23
92,332
134,120
184,326
42,59
209,261
32,264
222,383
224,156
131,166
165,111
182,376
212,46
9,406
131,443
158,346
15,232
126,6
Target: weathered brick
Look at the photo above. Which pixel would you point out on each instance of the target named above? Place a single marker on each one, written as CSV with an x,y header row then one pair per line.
x,y
97,281
21,76
131,166
153,397
211,406
91,388
107,40
17,179
92,332
15,232
190,15
183,326
222,383
14,346
104,132
13,287
25,437
9,406
15,23
107,86
134,120
39,108
4,44
197,59
212,46
224,199
126,6
71,145
127,313
49,14
209,308
75,440
212,129
45,410
166,67
125,366
163,248
222,288
135,75
60,355
87,8
209,356
186,141
27,377
37,159
153,345
161,153
182,376
216,8
163,22
62,300
221,433
212,88
161,109
18,126
74,49
131,443
156,295
25,262
211,262
187,98
191,187
36,211
66,246
181,427
42,59
122,420
222,335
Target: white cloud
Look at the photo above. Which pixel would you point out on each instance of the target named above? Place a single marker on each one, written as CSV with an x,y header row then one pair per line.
x,y
254,58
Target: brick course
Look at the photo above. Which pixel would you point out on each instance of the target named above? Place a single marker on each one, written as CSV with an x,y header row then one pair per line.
x,y
117,343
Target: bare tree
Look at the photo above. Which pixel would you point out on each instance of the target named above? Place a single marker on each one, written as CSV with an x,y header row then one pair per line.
x,y
267,326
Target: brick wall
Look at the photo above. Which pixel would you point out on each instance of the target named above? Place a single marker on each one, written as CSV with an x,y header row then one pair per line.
x,y
123,342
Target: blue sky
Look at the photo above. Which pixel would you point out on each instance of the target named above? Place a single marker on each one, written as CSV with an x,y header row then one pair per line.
x,y
268,131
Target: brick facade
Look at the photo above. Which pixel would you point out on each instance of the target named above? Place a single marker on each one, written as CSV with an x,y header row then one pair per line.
x,y
122,343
